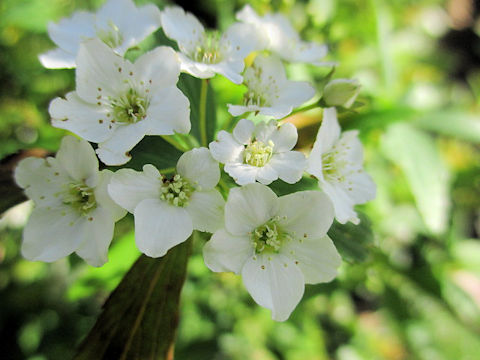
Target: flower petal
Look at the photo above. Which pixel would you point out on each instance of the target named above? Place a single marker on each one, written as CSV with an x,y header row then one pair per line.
x,y
243,131
243,174
274,282
199,167
266,174
284,137
160,66
362,187
206,210
305,214
160,226
78,158
342,203
248,207
295,93
226,149
225,252
318,259
103,198
289,165
57,59
69,32
129,187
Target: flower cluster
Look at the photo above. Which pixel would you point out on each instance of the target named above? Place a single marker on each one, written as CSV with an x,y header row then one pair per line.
x,y
277,244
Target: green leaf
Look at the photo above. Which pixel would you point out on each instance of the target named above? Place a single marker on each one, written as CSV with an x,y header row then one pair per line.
x,y
353,241
282,188
415,152
140,317
191,87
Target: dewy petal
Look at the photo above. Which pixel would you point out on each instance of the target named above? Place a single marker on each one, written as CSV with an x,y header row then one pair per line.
x,y
243,174
248,207
160,226
199,168
159,67
225,149
129,187
206,209
57,59
115,150
342,203
168,112
274,282
289,165
243,131
78,158
84,119
97,236
305,214
104,200
225,252
52,233
318,259
182,27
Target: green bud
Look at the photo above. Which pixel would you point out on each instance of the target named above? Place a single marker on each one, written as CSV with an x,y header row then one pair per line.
x,y
341,92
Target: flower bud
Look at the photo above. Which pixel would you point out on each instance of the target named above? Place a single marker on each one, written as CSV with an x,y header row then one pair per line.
x,y
341,92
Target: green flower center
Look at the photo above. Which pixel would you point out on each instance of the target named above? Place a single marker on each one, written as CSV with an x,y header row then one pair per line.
x,y
130,107
80,197
333,166
269,237
176,191
110,36
208,52
253,98
258,153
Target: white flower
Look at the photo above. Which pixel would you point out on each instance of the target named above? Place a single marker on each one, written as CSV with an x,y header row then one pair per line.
x,y
277,244
117,103
73,212
259,153
119,24
202,53
168,209
281,38
337,162
269,92
341,92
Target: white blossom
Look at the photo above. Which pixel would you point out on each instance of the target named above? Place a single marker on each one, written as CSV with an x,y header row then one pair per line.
x,y
277,244
73,212
117,103
118,23
341,92
204,53
336,161
259,153
168,209
279,37
269,92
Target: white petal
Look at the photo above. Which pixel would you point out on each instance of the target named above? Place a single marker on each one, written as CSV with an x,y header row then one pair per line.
x,y
182,27
308,52
97,236
241,40
363,188
318,259
52,233
199,167
274,282
168,113
115,150
225,252
284,137
160,66
305,214
289,165
129,187
249,207
226,149
78,158
104,200
160,226
88,121
231,69
266,174
69,32
342,203
243,131
194,68
295,93
206,209
243,174
57,59
237,110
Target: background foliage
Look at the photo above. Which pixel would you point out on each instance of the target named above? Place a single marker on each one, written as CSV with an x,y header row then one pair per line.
x,y
413,292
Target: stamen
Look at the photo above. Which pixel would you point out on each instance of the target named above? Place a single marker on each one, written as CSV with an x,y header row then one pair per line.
x,y
258,154
80,197
129,108
110,36
176,191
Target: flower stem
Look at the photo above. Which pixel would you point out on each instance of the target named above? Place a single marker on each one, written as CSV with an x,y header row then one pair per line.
x,y
305,108
203,112
174,143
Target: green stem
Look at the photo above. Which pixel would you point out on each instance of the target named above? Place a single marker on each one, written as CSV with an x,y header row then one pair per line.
x,y
305,108
203,112
174,143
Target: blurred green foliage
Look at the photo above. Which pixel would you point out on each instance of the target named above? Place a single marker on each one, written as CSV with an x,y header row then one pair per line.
x,y
416,295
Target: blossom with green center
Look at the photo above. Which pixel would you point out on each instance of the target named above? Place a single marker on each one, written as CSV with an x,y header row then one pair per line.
x,y
269,91
73,211
117,103
118,23
202,53
336,161
277,244
259,152
168,209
